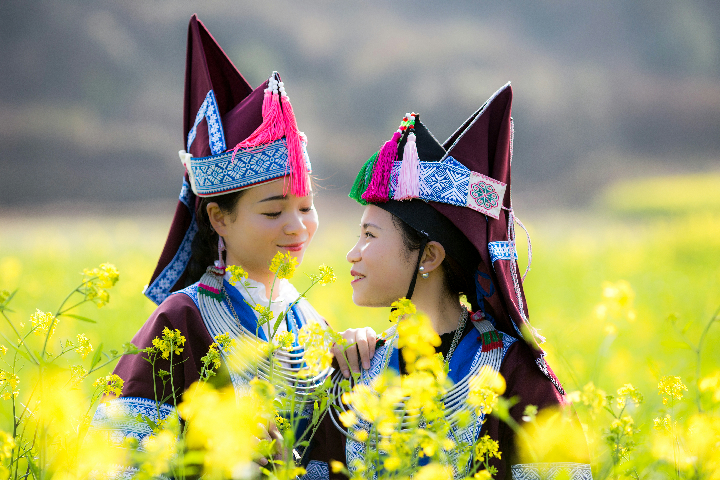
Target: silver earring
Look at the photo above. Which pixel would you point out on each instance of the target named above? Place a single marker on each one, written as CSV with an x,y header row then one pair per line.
x,y
425,274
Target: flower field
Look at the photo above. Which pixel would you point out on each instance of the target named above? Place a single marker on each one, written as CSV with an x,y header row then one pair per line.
x,y
626,302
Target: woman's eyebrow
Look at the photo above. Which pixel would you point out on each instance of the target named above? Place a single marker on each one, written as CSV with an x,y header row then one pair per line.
x,y
273,198
366,225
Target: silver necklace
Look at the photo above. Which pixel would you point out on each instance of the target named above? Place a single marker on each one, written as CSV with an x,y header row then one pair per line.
x,y
458,333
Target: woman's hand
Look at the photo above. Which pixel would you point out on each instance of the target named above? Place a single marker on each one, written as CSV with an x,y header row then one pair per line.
x,y
361,343
270,433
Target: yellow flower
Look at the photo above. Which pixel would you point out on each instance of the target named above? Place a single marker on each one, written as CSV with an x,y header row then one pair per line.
x,y
663,424
628,391
283,265
361,435
434,471
711,382
111,384
225,343
401,308
483,475
3,349
327,276
84,347
416,337
159,450
485,388
77,374
671,388
348,418
284,339
9,383
316,341
336,466
7,444
392,463
97,281
486,446
237,274
171,341
212,359
42,321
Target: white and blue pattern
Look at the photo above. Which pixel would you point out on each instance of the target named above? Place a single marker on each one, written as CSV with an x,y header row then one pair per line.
x,y
159,290
316,470
445,182
502,251
209,110
220,173
551,471
119,418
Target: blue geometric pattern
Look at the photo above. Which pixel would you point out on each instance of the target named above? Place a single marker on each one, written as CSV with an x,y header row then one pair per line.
x,y
209,110
551,471
186,195
119,418
445,182
219,173
502,251
316,470
159,290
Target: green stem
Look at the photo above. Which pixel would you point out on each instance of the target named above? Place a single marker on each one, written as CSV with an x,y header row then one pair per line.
x,y
52,324
32,357
698,353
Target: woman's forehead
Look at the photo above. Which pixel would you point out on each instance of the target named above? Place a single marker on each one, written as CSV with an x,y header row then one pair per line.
x,y
376,216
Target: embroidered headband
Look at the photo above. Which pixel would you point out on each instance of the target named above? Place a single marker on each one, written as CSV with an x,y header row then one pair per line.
x,y
275,149
384,177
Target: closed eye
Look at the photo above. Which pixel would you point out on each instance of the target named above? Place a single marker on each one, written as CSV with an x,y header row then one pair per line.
x,y
272,214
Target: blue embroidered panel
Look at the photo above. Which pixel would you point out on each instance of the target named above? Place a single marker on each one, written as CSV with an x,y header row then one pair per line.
x,y
444,182
159,290
209,110
316,470
502,251
220,173
119,418
186,195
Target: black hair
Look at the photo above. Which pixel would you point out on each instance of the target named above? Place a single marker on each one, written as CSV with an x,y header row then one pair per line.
x,y
455,277
204,245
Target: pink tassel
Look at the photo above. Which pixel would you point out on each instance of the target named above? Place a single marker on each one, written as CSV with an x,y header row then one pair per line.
x,y
299,185
379,189
271,128
408,185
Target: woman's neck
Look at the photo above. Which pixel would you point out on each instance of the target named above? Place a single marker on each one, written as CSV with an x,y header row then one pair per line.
x,y
443,308
265,278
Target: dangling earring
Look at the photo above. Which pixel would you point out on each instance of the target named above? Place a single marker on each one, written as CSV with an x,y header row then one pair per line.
x,y
220,263
423,273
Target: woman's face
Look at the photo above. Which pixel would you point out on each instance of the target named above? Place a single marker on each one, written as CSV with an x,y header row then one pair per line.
x,y
382,267
266,222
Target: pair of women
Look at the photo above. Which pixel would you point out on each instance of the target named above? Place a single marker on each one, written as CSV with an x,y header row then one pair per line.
x,y
438,224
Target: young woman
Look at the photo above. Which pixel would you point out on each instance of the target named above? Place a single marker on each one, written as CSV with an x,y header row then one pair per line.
x,y
438,225
246,196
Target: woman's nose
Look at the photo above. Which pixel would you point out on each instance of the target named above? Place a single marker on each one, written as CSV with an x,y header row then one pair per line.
x,y
294,225
353,256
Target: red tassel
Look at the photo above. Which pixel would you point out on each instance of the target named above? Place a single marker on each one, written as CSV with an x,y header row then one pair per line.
x,y
379,189
299,184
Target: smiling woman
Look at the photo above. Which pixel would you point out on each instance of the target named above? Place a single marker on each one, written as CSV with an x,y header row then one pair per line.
x,y
238,207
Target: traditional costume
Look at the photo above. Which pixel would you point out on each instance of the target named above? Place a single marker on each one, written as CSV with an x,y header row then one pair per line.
x,y
235,137
458,194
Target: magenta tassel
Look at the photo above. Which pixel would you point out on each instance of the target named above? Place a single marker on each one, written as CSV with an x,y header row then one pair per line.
x,y
379,189
299,184
271,128
408,185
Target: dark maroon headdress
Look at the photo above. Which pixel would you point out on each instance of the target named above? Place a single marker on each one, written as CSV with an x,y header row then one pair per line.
x,y
221,109
467,180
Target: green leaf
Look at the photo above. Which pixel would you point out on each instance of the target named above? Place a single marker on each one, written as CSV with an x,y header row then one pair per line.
x,y
78,317
97,357
280,317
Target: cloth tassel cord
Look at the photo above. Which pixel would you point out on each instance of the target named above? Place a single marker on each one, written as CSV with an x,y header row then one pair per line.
x,y
379,189
408,185
272,127
249,359
299,185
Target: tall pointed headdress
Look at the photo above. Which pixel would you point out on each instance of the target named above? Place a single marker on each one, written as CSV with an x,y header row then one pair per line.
x,y
221,110
466,181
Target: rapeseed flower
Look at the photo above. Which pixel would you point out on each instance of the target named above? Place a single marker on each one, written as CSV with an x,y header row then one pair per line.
x,y
711,383
237,274
96,282
7,444
283,265
671,388
42,322
77,374
628,391
284,339
3,349
84,347
400,308
171,341
316,341
485,388
416,337
9,383
111,384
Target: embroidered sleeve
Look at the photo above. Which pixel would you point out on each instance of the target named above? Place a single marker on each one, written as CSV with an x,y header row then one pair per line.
x,y
316,470
120,418
551,471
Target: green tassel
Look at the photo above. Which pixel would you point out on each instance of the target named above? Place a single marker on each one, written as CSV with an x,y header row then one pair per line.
x,y
363,180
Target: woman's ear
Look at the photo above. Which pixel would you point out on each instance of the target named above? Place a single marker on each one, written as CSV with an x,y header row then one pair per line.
x,y
432,257
217,218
